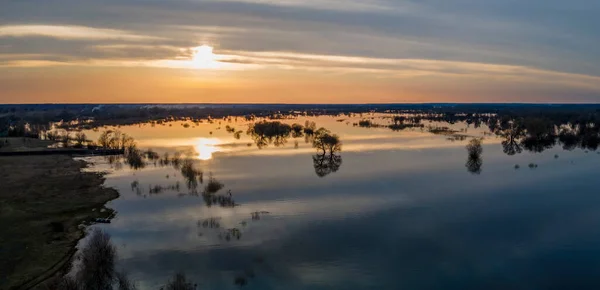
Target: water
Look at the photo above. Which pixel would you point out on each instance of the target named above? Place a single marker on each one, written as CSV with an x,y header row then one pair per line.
x,y
401,211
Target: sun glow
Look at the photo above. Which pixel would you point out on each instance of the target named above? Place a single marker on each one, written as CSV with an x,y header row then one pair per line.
x,y
204,57
206,147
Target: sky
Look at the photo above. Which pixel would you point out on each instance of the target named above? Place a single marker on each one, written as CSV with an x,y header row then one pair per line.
x,y
299,51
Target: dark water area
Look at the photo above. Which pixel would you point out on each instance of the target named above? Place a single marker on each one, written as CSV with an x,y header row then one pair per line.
x,y
392,210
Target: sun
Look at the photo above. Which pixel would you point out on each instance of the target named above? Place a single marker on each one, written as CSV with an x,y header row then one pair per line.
x,y
204,57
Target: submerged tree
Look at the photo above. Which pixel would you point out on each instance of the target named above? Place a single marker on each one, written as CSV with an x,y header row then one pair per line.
x,y
328,146
512,131
541,134
399,120
213,185
326,142
115,140
309,128
583,134
474,161
297,130
97,270
265,133
134,157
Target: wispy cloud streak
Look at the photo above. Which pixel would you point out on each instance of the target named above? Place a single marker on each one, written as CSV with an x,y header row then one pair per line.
x,y
70,32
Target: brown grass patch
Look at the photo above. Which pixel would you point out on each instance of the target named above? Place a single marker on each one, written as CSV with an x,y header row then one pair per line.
x,y
43,202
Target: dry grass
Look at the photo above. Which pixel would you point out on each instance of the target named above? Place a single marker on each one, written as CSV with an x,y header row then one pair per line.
x,y
23,144
43,200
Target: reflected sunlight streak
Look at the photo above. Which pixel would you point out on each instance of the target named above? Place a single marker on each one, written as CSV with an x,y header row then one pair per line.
x,y
206,147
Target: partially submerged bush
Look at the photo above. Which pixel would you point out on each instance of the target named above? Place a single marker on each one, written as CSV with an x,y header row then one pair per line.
x,y
213,185
365,123
309,128
192,175
134,157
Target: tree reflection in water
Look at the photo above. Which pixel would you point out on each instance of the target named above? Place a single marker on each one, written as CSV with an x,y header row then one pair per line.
x,y
326,161
192,175
326,164
474,161
328,145
512,131
537,134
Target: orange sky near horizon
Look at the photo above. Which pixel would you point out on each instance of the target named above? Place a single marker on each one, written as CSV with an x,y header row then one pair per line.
x,y
309,82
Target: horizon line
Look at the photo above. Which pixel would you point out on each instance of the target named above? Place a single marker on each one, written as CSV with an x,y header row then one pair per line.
x,y
315,104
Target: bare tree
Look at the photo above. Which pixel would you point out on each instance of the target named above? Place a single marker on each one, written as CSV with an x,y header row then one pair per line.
x,y
65,139
104,139
97,271
80,138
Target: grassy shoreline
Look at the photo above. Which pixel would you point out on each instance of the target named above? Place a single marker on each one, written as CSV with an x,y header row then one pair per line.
x,y
44,200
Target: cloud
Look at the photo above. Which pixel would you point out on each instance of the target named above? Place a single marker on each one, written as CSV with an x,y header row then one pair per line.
x,y
336,5
70,32
459,43
139,55
403,68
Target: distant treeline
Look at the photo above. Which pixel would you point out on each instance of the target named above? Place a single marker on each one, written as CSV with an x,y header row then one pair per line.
x,y
568,123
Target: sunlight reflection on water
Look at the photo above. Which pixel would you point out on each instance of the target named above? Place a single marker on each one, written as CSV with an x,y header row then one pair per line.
x,y
205,147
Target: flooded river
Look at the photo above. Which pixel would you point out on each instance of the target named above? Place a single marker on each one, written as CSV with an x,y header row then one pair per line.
x,y
392,210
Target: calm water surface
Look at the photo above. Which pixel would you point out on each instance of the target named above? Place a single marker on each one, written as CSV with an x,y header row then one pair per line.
x,y
397,210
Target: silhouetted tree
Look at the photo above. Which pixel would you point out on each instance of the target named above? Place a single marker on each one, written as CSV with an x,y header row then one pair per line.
x,y
541,134
134,157
512,131
474,161
297,130
265,133
326,142
97,271
65,139
309,128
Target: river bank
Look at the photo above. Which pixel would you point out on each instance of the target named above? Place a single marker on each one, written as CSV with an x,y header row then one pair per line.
x,y
44,200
